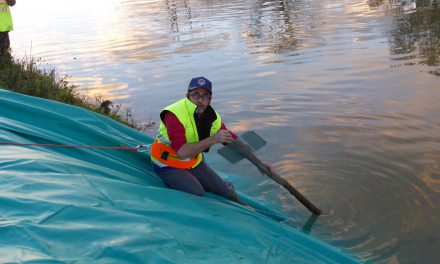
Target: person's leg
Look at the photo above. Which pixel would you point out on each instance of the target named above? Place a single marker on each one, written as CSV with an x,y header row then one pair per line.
x,y
181,180
4,42
213,183
8,42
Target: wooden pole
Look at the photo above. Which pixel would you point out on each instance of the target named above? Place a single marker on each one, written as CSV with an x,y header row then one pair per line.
x,y
247,152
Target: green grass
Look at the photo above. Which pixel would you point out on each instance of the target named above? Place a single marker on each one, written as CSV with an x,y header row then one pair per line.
x,y
26,76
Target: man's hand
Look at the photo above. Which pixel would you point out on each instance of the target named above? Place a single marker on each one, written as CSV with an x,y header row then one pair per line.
x,y
189,150
10,2
223,136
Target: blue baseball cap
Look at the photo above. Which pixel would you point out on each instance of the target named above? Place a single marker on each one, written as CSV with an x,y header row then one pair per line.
x,y
200,82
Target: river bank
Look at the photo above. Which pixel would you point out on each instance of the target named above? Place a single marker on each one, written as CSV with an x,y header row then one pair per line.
x,y
29,76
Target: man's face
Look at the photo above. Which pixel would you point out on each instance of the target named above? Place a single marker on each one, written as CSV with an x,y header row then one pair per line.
x,y
200,97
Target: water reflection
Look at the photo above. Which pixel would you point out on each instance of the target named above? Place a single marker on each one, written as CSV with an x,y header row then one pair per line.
x,y
416,32
174,9
152,30
272,25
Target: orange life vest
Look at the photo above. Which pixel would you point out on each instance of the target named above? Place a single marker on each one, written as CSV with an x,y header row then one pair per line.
x,y
166,155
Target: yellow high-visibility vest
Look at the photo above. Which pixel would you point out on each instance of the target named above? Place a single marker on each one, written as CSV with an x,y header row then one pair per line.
x,y
5,17
184,111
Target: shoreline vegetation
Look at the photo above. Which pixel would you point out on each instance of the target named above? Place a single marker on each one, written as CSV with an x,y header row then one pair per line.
x,y
26,76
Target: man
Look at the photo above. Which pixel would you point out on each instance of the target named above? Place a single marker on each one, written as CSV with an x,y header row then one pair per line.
x,y
188,128
5,25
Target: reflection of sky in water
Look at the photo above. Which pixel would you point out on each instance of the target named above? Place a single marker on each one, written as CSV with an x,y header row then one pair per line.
x,y
341,91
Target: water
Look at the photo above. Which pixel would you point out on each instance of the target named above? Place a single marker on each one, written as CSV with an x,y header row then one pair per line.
x,y
346,94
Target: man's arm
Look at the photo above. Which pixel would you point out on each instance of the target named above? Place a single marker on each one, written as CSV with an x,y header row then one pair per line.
x,y
195,148
176,134
191,149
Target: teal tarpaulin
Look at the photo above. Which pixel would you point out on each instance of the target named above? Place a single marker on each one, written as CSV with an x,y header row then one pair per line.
x,y
62,205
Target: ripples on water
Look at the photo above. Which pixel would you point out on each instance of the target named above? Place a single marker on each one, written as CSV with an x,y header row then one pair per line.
x,y
346,93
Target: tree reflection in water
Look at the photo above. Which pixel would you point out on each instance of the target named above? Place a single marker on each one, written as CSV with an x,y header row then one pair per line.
x,y
416,30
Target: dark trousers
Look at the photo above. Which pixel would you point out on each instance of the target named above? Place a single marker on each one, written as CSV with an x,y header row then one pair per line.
x,y
4,42
196,181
